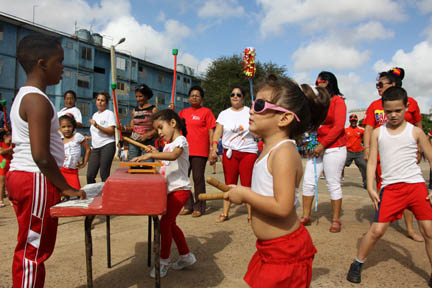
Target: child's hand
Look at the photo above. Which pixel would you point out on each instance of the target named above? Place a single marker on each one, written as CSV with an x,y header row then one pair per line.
x,y
141,158
236,194
80,165
150,149
73,193
374,197
429,197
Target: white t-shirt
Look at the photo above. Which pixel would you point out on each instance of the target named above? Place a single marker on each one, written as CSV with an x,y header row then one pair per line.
x,y
73,151
398,157
236,134
176,172
105,119
22,159
74,111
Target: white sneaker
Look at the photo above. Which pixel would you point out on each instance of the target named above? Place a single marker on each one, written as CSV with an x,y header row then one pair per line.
x,y
184,261
163,271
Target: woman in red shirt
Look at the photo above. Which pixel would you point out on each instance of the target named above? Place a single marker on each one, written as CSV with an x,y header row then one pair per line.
x,y
375,117
330,153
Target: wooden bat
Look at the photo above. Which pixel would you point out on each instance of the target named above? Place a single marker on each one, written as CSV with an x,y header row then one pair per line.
x,y
214,196
136,143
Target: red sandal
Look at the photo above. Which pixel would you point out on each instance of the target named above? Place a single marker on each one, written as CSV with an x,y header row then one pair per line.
x,y
335,229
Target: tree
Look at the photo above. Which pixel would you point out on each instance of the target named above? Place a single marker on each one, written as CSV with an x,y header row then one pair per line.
x,y
226,72
427,123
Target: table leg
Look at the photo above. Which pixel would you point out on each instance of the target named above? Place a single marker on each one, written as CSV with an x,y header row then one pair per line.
x,y
157,250
108,239
89,249
149,241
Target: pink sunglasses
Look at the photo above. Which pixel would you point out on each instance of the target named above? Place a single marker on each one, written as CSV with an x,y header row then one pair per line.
x,y
259,106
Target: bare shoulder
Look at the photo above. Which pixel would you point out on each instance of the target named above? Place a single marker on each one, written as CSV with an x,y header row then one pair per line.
x,y
34,103
285,155
418,132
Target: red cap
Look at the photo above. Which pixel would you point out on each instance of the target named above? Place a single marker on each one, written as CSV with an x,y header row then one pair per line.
x,y
353,117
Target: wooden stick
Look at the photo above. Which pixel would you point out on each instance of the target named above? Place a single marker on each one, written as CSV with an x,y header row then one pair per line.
x,y
214,196
136,143
151,164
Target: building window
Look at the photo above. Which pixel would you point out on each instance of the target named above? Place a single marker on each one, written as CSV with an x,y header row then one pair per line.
x,y
83,81
67,74
84,108
161,77
69,44
99,70
178,77
86,53
121,63
121,86
123,112
133,64
1,32
161,99
142,72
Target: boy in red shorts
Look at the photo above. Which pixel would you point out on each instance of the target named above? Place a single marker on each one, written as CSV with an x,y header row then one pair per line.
x,y
34,181
403,186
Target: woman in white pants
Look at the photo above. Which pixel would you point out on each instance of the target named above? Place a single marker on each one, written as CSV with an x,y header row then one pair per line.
x,y
330,153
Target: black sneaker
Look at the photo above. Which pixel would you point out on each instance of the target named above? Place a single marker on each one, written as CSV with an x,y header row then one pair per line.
x,y
354,273
430,281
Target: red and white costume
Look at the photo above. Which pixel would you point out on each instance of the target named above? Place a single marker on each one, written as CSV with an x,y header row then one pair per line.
x,y
32,196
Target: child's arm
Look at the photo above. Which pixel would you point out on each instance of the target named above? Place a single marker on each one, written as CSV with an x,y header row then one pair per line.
x,y
371,167
5,151
87,148
425,146
284,171
37,112
170,156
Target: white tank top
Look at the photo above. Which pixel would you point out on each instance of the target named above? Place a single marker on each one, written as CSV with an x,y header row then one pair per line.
x,y
22,158
262,180
398,154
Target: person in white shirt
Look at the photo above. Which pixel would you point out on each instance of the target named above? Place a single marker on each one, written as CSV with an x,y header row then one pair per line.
x,y
175,158
69,98
103,143
239,146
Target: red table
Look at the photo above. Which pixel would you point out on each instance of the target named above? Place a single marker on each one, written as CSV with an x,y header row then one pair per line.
x,y
123,194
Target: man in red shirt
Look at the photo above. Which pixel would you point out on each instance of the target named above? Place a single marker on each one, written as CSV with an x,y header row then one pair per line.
x,y
354,135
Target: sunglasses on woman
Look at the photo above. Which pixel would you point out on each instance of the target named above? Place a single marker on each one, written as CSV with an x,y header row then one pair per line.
x,y
259,106
380,85
236,94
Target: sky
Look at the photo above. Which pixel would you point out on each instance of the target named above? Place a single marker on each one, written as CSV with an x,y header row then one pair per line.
x,y
353,39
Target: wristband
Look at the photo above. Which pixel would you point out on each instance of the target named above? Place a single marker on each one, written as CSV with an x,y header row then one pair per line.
x,y
214,142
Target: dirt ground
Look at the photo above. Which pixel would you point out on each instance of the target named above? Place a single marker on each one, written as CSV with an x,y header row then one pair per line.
x,y
224,250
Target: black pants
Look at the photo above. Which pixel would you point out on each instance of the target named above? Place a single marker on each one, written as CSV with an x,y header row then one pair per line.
x,y
359,161
100,158
197,166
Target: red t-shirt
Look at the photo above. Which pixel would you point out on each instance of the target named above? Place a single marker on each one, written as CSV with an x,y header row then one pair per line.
x,y
354,138
198,123
375,116
331,133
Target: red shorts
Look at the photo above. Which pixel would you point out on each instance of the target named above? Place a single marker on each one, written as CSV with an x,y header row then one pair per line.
x,y
282,262
71,176
395,198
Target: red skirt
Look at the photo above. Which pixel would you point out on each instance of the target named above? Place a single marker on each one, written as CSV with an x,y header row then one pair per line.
x,y
282,262
71,176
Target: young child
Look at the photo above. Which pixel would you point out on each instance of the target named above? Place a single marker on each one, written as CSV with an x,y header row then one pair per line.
x,y
73,141
175,158
5,158
282,110
403,186
34,181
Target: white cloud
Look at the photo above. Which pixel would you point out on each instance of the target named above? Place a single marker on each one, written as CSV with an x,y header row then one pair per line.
x,y
111,18
318,15
418,72
200,67
370,31
221,9
329,55
425,6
